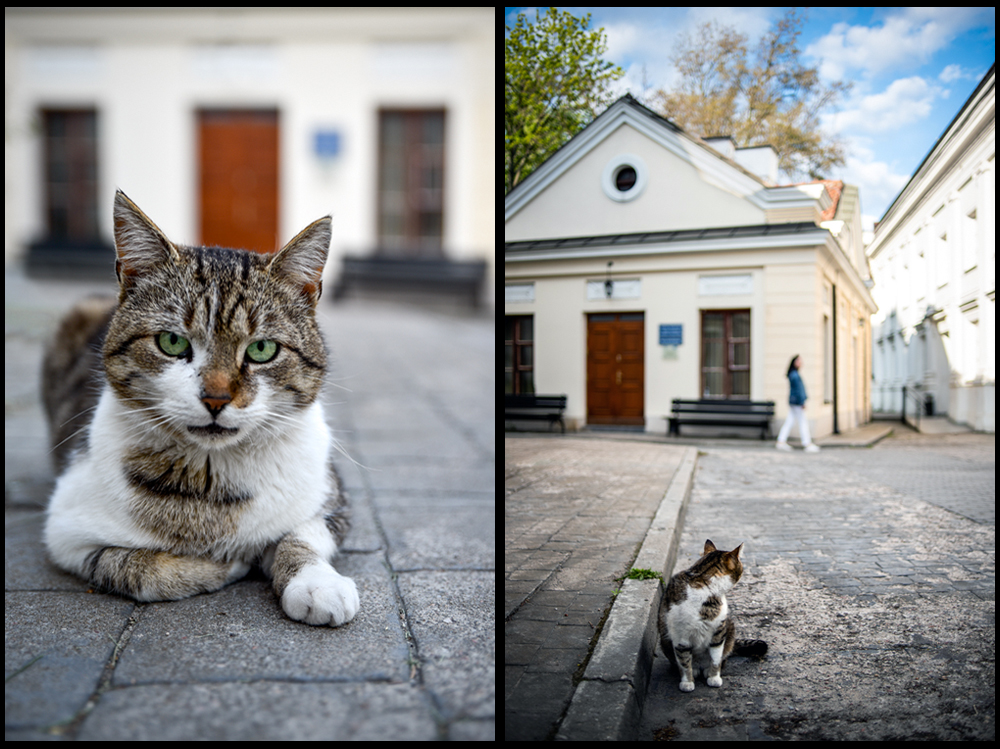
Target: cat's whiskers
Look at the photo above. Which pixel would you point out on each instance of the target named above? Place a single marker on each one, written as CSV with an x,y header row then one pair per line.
x,y
336,383
146,425
74,433
79,414
337,446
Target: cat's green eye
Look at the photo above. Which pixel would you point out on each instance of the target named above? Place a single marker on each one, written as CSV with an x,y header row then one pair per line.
x,y
262,351
172,344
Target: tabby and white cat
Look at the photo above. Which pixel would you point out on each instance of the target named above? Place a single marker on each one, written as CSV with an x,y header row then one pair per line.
x,y
186,416
697,631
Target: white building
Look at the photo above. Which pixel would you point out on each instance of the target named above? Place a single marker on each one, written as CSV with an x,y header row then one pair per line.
x,y
643,264
239,126
933,258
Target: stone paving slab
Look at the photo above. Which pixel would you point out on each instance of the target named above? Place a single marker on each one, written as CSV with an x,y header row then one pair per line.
x,y
268,711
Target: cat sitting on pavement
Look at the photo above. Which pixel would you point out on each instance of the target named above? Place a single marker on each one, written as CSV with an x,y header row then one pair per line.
x,y
696,627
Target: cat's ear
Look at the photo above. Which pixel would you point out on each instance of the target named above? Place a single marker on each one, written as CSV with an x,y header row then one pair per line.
x,y
738,551
709,547
139,243
301,261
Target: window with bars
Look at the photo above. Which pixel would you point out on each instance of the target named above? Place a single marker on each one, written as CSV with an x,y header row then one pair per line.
x,y
725,354
411,182
70,154
519,351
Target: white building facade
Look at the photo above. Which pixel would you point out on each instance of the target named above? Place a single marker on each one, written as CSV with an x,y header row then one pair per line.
x,y
643,264
383,118
933,259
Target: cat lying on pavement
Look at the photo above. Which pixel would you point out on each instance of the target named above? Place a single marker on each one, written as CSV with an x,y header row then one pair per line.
x,y
185,418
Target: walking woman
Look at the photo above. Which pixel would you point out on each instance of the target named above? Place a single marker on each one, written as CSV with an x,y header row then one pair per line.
x,y
796,409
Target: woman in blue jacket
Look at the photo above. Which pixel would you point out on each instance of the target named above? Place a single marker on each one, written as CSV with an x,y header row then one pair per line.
x,y
796,409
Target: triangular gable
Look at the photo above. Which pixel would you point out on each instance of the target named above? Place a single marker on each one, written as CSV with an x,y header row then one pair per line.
x,y
685,184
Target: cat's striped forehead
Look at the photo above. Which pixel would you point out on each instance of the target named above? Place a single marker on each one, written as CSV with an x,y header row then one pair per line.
x,y
224,291
210,266
217,292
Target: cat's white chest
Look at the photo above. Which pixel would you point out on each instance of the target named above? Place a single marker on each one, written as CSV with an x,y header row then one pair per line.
x,y
288,478
693,622
279,484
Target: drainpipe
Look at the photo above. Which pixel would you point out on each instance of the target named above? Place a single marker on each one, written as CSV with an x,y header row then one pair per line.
x,y
836,428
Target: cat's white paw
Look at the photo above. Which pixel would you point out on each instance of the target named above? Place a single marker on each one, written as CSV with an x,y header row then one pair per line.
x,y
687,686
322,596
715,681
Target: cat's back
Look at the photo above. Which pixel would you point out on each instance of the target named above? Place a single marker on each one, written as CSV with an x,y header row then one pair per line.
x,y
72,374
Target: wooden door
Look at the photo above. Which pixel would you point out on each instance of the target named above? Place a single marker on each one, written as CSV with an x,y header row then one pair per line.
x,y
238,156
615,368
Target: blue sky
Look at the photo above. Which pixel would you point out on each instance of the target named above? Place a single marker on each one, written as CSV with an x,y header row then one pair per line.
x,y
912,70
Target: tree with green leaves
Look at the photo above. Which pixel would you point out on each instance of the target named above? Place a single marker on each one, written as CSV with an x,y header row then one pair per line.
x,y
763,96
555,82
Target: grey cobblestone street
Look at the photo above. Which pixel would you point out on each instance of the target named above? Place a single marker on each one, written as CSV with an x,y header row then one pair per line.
x,y
872,575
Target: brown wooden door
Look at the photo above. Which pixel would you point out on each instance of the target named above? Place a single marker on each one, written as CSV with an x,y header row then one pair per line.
x,y
238,153
615,368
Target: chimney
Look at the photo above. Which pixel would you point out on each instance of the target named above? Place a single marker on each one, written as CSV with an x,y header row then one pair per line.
x,y
724,144
761,160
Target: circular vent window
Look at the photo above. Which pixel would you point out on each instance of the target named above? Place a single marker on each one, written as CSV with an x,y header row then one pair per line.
x,y
624,178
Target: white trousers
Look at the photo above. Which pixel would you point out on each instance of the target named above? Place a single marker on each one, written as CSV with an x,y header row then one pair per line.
x,y
795,413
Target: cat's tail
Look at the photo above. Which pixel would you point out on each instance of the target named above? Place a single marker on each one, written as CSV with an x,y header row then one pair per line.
x,y
750,647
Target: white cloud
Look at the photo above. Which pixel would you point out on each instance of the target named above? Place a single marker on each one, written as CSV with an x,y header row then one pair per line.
x,y
878,183
907,39
622,39
952,73
877,176
643,40
752,21
903,102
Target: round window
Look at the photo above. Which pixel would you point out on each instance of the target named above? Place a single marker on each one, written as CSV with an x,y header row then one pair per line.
x,y
624,177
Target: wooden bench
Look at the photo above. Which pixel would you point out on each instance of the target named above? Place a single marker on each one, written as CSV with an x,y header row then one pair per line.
x,y
756,414
535,408
462,279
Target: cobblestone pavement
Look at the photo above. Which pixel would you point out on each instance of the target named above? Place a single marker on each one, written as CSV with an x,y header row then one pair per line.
x,y
871,573
575,513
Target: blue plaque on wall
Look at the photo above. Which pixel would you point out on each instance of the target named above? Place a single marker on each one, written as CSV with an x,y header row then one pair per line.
x,y
327,143
671,335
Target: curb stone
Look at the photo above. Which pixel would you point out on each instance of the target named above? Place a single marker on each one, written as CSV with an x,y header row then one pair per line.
x,y
607,703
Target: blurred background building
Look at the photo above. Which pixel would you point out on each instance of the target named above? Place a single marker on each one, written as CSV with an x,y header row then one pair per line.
x,y
933,258
240,126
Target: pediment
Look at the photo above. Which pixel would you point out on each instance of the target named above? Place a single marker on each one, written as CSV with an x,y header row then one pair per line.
x,y
631,171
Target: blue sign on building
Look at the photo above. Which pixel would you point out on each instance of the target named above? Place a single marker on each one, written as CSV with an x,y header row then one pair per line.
x,y
327,143
671,335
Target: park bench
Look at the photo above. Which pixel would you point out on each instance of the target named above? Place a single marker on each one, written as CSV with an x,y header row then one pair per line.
x,y
757,414
461,279
535,407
